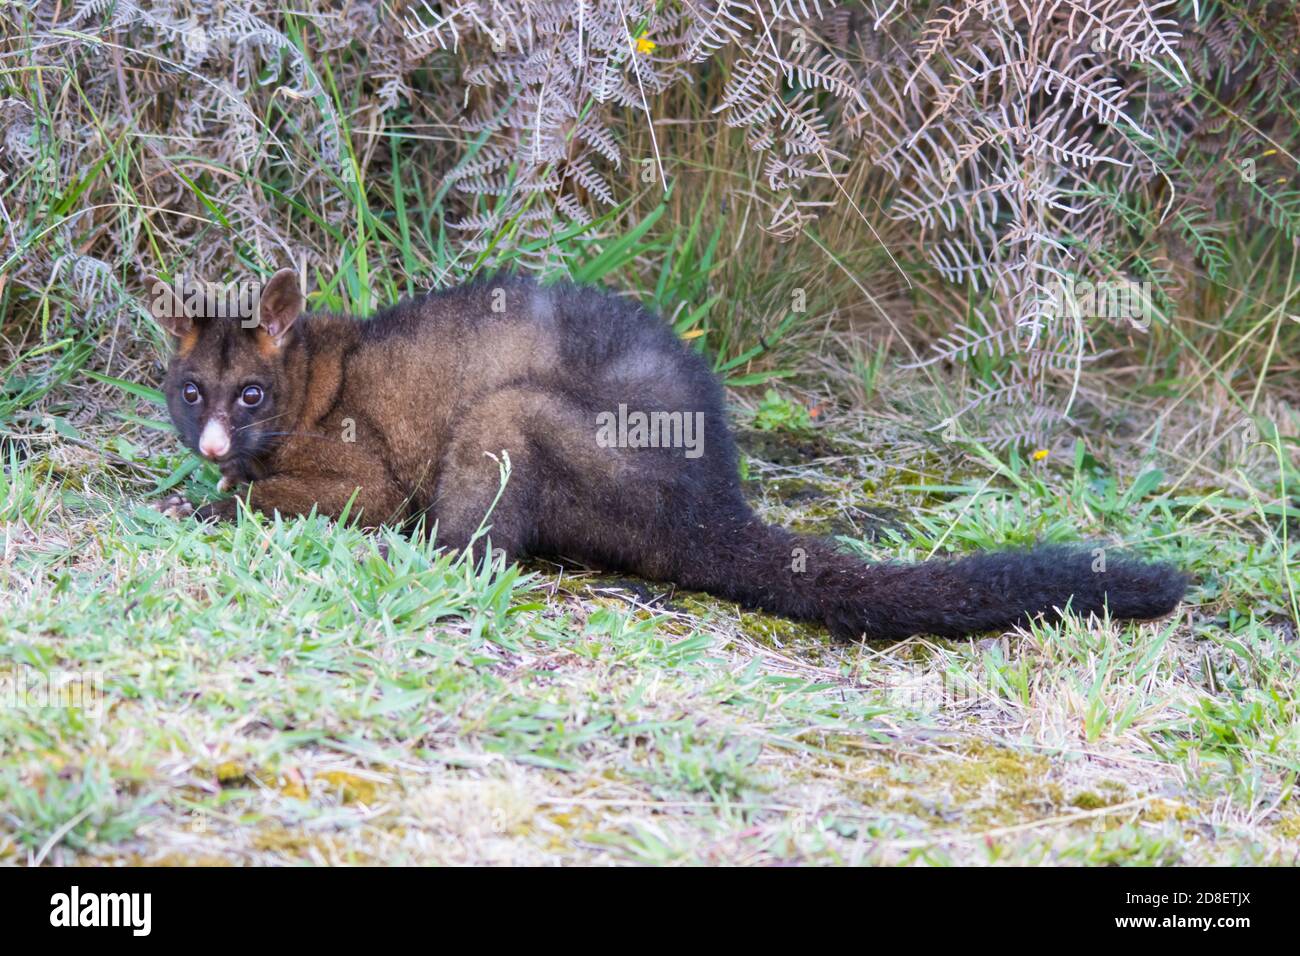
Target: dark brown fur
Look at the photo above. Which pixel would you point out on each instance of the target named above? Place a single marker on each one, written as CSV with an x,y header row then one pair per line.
x,y
434,389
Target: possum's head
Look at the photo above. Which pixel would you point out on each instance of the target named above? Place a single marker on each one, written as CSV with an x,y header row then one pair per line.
x,y
230,386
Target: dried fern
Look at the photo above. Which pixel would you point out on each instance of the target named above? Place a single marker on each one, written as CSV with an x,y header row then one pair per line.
x,y
1028,145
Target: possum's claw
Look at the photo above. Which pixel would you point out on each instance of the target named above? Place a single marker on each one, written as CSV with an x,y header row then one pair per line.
x,y
175,506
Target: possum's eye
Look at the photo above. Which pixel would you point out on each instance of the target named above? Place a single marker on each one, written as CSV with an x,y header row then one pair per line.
x,y
190,392
251,396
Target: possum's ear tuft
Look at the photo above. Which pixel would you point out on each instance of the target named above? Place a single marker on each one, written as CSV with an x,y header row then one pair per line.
x,y
167,308
279,305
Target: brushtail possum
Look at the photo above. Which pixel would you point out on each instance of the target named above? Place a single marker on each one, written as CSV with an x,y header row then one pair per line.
x,y
620,454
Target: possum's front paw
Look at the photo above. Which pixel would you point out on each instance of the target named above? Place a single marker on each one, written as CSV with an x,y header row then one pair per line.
x,y
224,510
174,506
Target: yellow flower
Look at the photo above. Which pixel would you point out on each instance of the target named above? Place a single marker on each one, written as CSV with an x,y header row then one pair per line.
x,y
1040,454
644,45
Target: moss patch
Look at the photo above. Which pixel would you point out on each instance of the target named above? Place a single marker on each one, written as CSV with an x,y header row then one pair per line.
x,y
349,787
981,783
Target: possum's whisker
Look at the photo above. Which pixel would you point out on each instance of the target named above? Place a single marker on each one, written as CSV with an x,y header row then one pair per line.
x,y
300,434
262,422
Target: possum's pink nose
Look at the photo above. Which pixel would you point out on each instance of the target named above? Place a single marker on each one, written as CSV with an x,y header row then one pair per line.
x,y
214,442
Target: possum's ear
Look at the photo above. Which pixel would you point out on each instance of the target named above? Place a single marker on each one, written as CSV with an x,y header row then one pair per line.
x,y
279,305
167,308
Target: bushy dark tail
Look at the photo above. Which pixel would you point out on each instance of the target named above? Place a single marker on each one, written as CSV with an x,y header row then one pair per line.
x,y
806,578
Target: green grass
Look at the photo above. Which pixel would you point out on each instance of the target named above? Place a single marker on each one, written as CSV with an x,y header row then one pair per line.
x,y
279,691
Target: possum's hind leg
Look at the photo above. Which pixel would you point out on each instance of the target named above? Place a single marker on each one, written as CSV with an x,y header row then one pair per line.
x,y
558,471
469,474
570,494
